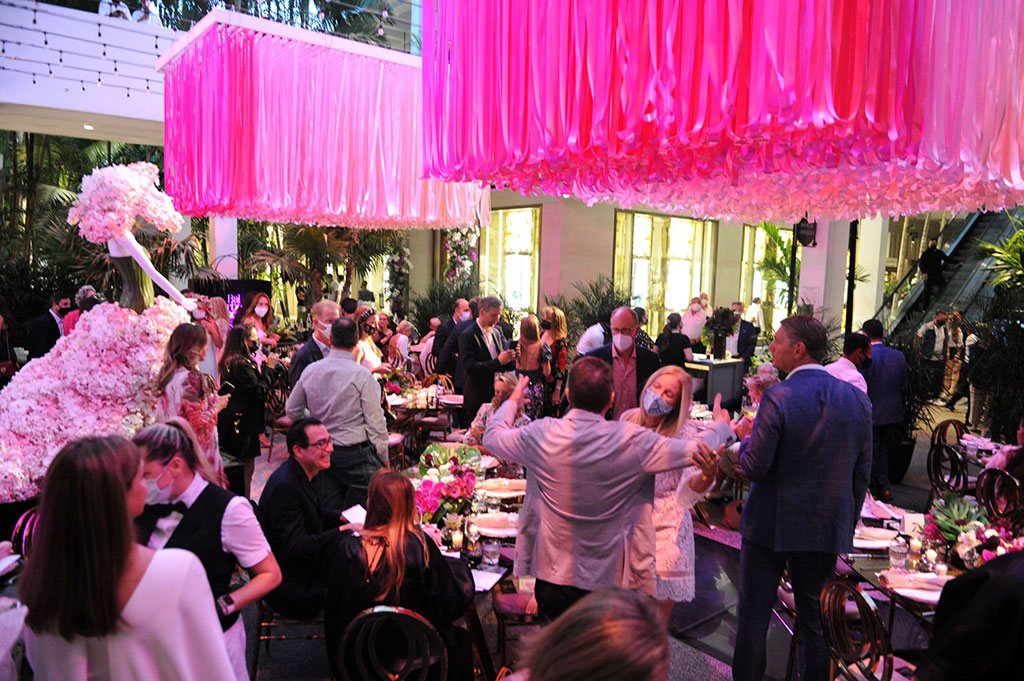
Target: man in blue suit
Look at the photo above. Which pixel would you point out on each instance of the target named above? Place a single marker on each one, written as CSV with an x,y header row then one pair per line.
x,y
809,459
887,379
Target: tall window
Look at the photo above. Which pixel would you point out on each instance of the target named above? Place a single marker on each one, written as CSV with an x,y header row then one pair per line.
x,y
765,272
662,261
509,257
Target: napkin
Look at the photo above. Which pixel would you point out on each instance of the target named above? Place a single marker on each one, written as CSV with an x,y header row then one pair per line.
x,y
355,514
901,579
874,533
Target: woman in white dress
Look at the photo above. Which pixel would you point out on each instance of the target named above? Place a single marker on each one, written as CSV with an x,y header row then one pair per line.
x,y
101,606
664,408
367,353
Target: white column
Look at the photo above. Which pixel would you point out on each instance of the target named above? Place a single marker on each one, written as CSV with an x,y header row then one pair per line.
x,y
552,224
872,254
823,271
223,243
729,265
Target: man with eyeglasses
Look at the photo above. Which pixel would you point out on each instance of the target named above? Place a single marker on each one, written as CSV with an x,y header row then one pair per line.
x,y
346,398
302,530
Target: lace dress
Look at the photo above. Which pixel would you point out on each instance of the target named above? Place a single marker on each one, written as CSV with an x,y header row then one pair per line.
x,y
673,528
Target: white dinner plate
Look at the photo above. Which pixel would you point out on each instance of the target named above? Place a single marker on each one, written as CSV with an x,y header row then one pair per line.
x,y
929,596
871,544
451,400
505,528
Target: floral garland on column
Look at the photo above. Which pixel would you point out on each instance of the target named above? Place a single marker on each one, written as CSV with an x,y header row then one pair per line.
x,y
399,263
460,245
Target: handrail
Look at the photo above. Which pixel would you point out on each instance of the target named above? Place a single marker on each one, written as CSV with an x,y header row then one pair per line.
x,y
891,315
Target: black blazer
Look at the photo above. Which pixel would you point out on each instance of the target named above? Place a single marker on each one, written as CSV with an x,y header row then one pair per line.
x,y
477,368
448,355
248,398
302,533
307,354
43,334
747,342
442,335
647,362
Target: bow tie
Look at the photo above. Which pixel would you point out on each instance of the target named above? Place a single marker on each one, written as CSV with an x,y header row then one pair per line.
x,y
164,510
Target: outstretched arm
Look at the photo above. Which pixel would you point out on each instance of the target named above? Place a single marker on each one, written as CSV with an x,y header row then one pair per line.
x,y
127,246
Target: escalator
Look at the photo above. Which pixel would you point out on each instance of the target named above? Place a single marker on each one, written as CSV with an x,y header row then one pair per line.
x,y
968,275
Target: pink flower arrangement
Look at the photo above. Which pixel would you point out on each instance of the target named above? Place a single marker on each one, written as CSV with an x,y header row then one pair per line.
x,y
97,381
114,198
444,490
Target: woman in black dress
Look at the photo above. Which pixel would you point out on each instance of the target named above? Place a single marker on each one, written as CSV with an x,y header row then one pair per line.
x,y
391,562
673,345
242,421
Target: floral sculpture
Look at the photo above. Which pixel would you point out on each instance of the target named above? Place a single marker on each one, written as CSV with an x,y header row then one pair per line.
x,y
112,203
445,489
461,245
96,381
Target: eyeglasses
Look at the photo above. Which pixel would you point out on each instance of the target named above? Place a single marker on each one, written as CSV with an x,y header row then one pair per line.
x,y
320,444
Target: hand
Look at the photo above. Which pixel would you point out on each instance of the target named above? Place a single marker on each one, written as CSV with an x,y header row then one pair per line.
x,y
506,356
517,395
384,368
721,415
350,527
704,457
272,360
708,463
222,401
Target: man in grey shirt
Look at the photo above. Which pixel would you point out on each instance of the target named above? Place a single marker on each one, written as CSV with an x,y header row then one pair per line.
x,y
347,399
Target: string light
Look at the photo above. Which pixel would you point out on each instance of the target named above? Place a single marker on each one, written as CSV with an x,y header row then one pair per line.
x,y
99,30
81,83
115,66
46,41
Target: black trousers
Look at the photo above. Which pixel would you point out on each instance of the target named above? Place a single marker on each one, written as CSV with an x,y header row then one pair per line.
x,y
554,599
348,478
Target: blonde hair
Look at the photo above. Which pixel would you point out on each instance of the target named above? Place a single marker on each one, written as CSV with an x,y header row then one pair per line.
x,y
219,308
559,327
670,424
607,636
529,329
362,314
175,437
507,379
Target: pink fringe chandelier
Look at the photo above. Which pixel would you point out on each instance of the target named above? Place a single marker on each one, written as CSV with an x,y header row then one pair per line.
x,y
745,110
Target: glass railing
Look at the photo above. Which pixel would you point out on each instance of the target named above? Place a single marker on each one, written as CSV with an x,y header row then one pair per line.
x,y
394,24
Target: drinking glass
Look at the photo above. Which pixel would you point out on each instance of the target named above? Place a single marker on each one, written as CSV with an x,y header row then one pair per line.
x,y
898,551
493,504
491,552
749,407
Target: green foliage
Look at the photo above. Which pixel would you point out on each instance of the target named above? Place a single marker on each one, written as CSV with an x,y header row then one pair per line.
x,y
1007,256
1004,330
594,301
438,301
917,410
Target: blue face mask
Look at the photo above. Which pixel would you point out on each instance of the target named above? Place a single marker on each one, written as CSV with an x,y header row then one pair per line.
x,y
655,404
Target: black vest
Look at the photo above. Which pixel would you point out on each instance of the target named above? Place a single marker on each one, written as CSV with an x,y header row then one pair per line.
x,y
199,532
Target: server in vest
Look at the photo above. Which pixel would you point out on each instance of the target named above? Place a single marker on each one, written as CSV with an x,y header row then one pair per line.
x,y
185,511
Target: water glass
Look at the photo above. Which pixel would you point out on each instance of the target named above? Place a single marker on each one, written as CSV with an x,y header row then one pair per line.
x,y
493,504
898,551
491,552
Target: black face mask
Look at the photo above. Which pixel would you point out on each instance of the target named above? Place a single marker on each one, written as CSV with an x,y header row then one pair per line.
x,y
865,363
369,329
64,311
253,346
940,322
545,324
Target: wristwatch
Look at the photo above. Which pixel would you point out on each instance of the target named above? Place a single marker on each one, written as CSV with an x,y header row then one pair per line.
x,y
226,605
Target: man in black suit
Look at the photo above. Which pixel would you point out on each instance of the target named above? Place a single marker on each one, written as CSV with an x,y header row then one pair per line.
x,y
887,381
483,352
448,353
323,314
303,534
48,328
631,365
460,314
745,337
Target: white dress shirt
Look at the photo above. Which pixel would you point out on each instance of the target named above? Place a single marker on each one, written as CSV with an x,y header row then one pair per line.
x,y
345,397
755,315
845,370
693,324
590,340
60,321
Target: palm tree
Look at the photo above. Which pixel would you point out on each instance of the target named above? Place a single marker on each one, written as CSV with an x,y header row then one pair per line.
x,y
1007,256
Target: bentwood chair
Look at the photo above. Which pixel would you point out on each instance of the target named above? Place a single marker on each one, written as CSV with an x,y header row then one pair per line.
x,y
785,611
391,644
860,647
942,431
272,626
21,537
1000,494
947,471
276,400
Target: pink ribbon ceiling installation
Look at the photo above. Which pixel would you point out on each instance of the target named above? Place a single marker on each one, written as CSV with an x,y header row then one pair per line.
x,y
270,127
738,109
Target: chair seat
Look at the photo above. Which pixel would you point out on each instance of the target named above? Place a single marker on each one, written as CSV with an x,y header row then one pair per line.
x,y
456,435
433,421
395,440
515,604
898,663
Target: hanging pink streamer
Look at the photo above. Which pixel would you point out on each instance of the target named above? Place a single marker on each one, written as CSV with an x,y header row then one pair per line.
x,y
262,127
736,109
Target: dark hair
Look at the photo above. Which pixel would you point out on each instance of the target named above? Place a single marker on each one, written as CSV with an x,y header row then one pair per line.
x,y
248,308
58,296
164,441
89,303
349,305
297,433
489,303
474,306
590,384
83,539
184,341
236,347
873,329
671,324
809,331
344,333
640,313
854,342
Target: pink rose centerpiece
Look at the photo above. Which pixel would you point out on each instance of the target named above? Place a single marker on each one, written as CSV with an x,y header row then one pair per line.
x,y
97,381
443,490
114,198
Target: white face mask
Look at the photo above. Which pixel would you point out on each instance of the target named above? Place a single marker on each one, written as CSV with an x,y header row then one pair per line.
x,y
465,317
198,314
622,342
261,310
156,494
695,307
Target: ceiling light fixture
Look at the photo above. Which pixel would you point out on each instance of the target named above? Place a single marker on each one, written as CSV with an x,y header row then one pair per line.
x,y
88,127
